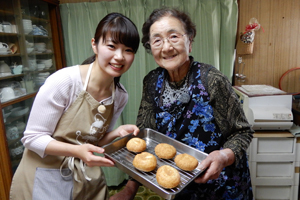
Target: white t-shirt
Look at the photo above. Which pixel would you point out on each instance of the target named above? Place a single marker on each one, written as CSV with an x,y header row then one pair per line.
x,y
55,96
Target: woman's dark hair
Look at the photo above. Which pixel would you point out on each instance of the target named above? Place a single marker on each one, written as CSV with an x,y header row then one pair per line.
x,y
121,29
157,14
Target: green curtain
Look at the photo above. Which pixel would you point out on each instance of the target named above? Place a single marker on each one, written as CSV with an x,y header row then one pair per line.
x,y
216,23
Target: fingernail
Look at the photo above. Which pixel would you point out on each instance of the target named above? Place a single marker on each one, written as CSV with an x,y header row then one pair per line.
x,y
200,167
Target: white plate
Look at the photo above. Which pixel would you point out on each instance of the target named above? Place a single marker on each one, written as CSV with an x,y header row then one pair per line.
x,y
5,52
19,111
5,74
6,115
29,50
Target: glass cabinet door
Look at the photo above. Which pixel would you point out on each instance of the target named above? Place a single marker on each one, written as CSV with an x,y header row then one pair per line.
x,y
26,60
15,123
11,60
39,60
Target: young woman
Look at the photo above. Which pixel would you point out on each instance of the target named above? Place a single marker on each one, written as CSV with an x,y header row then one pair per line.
x,y
73,115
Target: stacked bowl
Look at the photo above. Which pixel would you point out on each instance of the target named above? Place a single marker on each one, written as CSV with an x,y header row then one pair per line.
x,y
40,66
41,78
32,64
4,69
4,51
40,47
27,25
47,62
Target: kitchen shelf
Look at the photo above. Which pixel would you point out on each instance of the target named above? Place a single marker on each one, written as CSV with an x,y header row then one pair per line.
x,y
38,37
9,34
13,12
6,13
18,99
10,55
11,76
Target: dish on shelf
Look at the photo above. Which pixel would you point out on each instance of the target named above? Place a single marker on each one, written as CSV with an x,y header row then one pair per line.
x,y
2,74
7,93
21,127
17,69
13,48
48,51
16,149
40,45
5,51
27,24
4,68
39,30
12,133
29,44
41,66
27,30
29,50
44,74
27,21
48,63
6,115
19,111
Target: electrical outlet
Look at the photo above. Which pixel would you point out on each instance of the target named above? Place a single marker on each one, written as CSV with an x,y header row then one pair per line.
x,y
240,60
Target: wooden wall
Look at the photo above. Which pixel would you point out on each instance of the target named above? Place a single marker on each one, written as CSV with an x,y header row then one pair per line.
x,y
277,48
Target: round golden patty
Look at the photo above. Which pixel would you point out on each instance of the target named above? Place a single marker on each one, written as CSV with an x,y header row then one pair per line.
x,y
165,151
186,162
167,177
136,145
144,161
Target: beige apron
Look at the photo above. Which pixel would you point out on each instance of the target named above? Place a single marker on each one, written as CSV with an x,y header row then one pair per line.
x,y
58,177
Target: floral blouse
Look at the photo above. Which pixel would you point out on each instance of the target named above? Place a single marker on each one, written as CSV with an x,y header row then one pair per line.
x,y
212,119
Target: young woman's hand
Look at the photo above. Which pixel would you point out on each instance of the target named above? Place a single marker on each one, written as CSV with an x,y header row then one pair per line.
x,y
124,130
86,154
214,164
86,151
121,131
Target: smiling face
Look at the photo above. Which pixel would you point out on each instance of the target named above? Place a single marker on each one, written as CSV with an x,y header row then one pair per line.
x,y
114,59
174,58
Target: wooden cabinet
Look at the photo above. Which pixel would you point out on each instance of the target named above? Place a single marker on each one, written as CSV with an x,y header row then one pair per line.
x,y
274,165
31,48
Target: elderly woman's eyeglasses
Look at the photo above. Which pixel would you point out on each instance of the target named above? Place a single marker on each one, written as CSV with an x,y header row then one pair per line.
x,y
157,42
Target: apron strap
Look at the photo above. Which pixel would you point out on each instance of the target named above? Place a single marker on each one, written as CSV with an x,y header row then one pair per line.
x,y
113,92
87,81
70,161
71,166
88,76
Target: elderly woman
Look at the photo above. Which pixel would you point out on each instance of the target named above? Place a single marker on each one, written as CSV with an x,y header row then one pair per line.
x,y
194,103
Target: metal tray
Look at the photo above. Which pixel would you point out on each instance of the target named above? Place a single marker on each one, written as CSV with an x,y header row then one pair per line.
x,y
123,158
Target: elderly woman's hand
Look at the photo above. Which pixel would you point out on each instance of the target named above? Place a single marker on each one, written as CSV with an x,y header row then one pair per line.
x,y
214,164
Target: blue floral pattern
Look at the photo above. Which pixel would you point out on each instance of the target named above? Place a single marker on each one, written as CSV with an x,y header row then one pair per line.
x,y
201,111
193,123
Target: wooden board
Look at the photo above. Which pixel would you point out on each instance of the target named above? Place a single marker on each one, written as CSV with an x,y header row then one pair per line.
x,y
277,48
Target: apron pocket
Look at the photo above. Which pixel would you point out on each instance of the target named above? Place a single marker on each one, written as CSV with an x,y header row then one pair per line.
x,y
50,185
